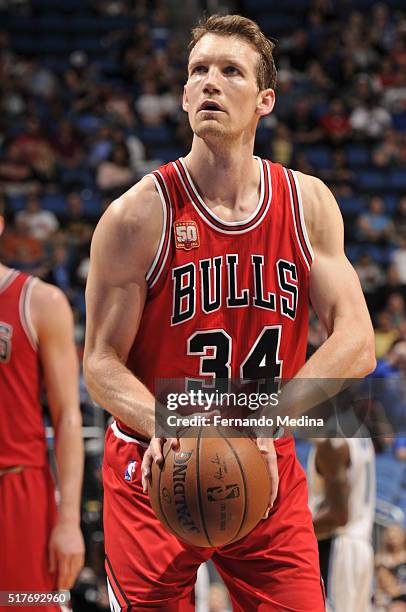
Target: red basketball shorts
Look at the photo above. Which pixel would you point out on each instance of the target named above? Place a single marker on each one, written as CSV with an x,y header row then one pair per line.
x,y
274,568
27,515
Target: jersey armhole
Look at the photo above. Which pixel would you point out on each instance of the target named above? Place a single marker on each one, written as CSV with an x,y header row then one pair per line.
x,y
161,255
25,312
299,224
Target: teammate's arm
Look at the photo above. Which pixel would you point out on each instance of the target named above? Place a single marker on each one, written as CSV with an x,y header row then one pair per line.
x,y
332,461
53,320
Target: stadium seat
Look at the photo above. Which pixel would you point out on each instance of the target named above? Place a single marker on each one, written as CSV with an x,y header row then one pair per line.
x,y
372,180
357,156
397,180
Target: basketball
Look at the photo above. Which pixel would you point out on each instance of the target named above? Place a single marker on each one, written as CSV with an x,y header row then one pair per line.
x,y
213,490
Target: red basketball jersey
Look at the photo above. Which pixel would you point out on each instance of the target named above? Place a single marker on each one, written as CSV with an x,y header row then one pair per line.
x,y
22,435
225,299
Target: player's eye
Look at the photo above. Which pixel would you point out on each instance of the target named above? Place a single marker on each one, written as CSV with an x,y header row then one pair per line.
x,y
198,69
231,70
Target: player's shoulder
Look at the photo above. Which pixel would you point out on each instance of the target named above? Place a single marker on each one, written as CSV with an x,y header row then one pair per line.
x,y
313,190
47,302
136,214
137,205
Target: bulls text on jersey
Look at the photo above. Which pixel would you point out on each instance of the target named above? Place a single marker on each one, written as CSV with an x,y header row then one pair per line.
x,y
209,272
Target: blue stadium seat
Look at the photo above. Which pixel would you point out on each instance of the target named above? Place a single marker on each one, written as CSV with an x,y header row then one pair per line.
x,y
399,122
319,157
350,205
357,156
55,202
17,202
159,135
372,180
397,180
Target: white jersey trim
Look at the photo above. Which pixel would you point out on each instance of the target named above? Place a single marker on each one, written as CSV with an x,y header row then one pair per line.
x,y
165,229
25,312
218,219
8,279
123,436
292,205
302,217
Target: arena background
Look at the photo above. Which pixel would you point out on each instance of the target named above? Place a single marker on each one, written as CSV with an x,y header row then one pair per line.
x,y
90,102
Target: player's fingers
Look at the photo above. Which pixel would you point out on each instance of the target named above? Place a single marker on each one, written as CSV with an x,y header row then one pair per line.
x,y
174,443
156,450
63,572
146,469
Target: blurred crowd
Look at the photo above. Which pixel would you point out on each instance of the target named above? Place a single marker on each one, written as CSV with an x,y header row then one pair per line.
x,y
91,101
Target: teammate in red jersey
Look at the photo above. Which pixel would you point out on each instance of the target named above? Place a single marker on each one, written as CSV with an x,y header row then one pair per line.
x,y
202,270
41,547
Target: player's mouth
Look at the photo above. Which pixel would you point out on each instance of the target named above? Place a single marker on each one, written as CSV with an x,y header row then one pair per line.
x,y
211,106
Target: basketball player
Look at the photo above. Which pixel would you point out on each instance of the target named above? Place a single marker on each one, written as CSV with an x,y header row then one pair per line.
x,y
205,269
341,478
41,547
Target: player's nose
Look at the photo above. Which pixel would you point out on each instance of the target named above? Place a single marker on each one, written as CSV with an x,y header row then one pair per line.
x,y
211,83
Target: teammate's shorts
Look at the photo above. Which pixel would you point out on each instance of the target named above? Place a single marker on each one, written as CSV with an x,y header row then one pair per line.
x,y
273,568
347,566
27,515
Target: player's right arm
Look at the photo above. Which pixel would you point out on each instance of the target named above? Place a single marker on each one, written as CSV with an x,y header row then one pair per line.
x,y
332,461
123,247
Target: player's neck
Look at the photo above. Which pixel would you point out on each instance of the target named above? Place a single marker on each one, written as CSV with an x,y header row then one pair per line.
x,y
3,271
226,174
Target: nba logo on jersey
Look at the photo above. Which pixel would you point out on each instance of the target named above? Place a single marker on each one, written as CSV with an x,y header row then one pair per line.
x,y
130,471
186,235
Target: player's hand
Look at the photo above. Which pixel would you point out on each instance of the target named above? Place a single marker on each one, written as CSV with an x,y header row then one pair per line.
x,y
153,454
267,448
66,553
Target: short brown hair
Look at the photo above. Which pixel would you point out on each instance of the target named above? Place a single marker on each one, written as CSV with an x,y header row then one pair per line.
x,y
236,25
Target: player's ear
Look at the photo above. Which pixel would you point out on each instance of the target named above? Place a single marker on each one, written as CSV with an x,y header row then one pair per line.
x,y
266,102
185,101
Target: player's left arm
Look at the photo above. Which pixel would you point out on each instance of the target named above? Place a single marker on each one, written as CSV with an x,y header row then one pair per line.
x,y
335,292
53,320
332,462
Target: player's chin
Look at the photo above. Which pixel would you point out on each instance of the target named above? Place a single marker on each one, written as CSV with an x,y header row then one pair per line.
x,y
210,129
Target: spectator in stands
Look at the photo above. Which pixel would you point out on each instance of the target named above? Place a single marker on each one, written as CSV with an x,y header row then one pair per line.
x,y
304,124
395,306
16,175
371,278
115,174
282,147
149,105
386,333
369,120
32,143
66,145
59,271
39,223
336,124
398,263
375,226
399,447
20,250
77,228
400,219
340,176
391,566
387,153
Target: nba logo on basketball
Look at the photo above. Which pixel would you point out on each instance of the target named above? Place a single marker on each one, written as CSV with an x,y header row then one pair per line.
x,y
186,235
129,473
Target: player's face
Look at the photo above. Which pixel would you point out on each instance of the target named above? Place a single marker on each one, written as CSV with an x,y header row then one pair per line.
x,y
221,95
